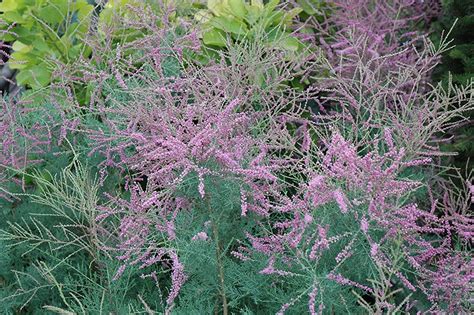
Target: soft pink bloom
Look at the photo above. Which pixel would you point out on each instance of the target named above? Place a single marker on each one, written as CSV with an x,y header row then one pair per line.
x,y
202,236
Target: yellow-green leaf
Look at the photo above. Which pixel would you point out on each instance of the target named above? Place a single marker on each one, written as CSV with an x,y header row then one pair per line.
x,y
19,60
12,17
203,16
10,5
51,14
276,18
20,47
37,77
257,4
218,7
84,14
84,9
310,6
229,25
290,15
289,43
270,6
41,45
237,8
253,14
214,37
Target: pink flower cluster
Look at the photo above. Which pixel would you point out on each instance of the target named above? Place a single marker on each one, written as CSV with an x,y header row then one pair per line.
x,y
207,139
372,180
170,143
380,32
185,140
182,130
18,141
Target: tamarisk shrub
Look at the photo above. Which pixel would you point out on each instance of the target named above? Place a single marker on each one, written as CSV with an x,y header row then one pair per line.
x,y
367,29
200,166
381,92
377,93
198,163
351,226
205,174
370,88
237,203
199,145
192,155
22,139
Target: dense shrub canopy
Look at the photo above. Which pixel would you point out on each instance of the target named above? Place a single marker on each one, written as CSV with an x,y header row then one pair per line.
x,y
234,156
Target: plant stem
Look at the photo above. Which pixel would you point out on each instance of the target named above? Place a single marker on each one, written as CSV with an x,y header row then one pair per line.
x,y
220,270
220,267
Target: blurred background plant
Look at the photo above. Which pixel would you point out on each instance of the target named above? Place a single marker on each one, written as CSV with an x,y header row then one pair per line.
x,y
457,65
242,20
42,32
40,37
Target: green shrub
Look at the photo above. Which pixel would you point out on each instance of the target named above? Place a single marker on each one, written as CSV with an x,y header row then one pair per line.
x,y
42,34
458,65
242,20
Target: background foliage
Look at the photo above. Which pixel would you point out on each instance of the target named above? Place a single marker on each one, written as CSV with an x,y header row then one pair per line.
x,y
458,63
